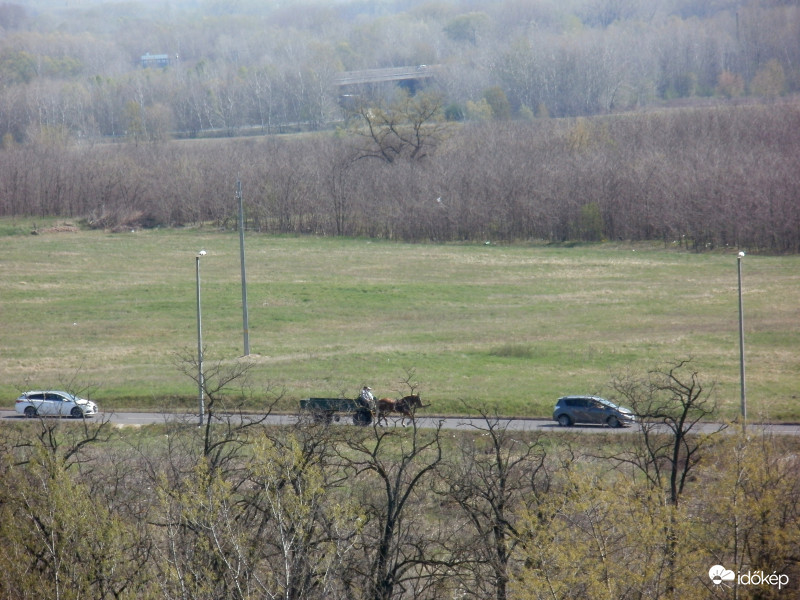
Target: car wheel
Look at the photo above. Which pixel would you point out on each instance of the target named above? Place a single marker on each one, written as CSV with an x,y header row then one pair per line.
x,y
76,413
564,420
30,412
613,422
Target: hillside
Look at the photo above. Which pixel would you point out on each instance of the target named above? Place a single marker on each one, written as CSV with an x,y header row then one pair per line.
x,y
230,66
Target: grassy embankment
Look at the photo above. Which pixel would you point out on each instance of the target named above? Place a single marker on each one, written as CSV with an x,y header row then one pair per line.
x,y
507,326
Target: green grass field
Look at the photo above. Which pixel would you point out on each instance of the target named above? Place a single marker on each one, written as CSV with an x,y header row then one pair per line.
x,y
507,326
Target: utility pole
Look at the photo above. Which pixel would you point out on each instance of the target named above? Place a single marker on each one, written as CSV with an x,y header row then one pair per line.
x,y
741,341
200,376
245,324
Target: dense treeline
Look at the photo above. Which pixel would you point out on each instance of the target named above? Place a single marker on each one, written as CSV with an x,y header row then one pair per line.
x,y
271,66
239,511
703,177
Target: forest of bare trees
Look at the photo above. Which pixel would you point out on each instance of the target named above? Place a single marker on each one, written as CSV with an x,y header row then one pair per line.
x,y
696,177
240,511
582,120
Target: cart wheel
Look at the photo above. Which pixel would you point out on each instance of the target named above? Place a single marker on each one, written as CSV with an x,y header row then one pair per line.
x,y
323,417
362,417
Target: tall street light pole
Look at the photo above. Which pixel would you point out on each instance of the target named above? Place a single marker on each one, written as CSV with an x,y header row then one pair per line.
x,y
741,340
245,324
200,381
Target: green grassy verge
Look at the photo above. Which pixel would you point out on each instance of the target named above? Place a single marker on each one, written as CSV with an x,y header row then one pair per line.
x,y
508,326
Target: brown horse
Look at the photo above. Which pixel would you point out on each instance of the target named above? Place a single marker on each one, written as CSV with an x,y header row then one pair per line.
x,y
406,407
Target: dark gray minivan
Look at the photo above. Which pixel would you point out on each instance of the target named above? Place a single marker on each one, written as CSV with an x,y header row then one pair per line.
x,y
591,409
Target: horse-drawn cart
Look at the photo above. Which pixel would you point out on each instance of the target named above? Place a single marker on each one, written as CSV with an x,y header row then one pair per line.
x,y
326,410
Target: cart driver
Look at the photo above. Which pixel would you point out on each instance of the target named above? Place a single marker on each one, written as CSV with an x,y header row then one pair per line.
x,y
366,398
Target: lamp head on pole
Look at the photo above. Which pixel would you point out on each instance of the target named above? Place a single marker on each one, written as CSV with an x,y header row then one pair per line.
x,y
741,254
203,253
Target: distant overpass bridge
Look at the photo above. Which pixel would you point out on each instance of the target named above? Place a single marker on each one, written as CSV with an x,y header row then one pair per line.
x,y
381,75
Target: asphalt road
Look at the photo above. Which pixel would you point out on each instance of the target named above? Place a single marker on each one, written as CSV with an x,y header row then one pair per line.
x,y
134,419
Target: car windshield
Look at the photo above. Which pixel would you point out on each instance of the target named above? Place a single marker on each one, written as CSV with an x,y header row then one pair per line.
x,y
606,402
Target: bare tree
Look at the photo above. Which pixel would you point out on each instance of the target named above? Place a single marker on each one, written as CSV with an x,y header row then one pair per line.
x,y
340,193
225,422
492,477
410,127
669,405
389,467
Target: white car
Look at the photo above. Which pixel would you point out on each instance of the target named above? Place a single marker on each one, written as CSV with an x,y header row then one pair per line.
x,y
54,403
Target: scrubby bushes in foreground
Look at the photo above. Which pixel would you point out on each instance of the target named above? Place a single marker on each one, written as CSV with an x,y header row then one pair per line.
x,y
247,511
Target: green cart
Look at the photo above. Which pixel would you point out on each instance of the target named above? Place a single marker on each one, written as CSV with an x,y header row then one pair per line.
x,y
327,410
